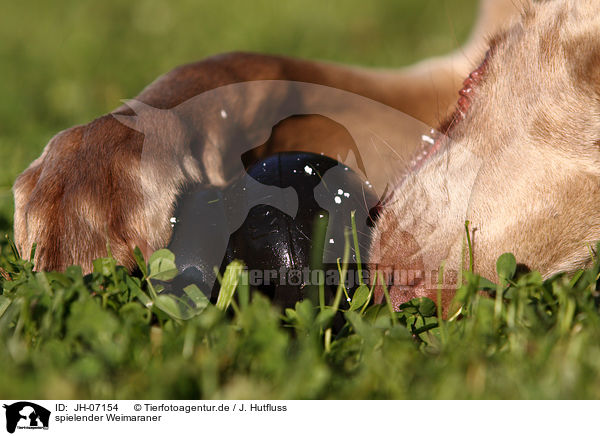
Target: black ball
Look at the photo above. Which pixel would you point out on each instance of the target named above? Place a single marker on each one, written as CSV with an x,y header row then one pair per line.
x,y
285,218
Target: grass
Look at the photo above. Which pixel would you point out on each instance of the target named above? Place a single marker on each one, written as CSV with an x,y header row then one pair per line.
x,y
110,335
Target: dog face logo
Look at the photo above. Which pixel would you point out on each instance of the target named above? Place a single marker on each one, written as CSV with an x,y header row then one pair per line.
x,y
26,415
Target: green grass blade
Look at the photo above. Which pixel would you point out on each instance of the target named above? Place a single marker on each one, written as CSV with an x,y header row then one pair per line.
x,y
231,279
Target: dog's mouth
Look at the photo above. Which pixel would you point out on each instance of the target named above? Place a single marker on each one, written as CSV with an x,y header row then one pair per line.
x,y
438,139
431,144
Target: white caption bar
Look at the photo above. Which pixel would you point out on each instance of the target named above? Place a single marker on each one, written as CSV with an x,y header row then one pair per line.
x,y
25,417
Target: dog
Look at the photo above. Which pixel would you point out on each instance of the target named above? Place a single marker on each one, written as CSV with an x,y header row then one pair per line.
x,y
528,116
516,156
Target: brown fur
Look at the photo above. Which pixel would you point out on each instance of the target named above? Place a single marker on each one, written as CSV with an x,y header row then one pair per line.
x,y
532,133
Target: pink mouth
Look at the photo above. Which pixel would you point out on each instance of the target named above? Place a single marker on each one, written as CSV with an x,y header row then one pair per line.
x,y
462,107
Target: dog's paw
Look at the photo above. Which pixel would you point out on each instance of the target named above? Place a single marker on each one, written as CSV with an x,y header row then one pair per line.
x,y
82,195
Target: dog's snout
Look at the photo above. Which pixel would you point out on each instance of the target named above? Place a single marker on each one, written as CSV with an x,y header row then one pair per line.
x,y
398,264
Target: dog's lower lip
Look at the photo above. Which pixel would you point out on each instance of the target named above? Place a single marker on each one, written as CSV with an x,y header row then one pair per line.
x,y
462,106
466,91
428,149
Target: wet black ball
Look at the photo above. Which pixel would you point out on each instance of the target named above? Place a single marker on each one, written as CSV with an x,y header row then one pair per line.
x,y
286,219
283,252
